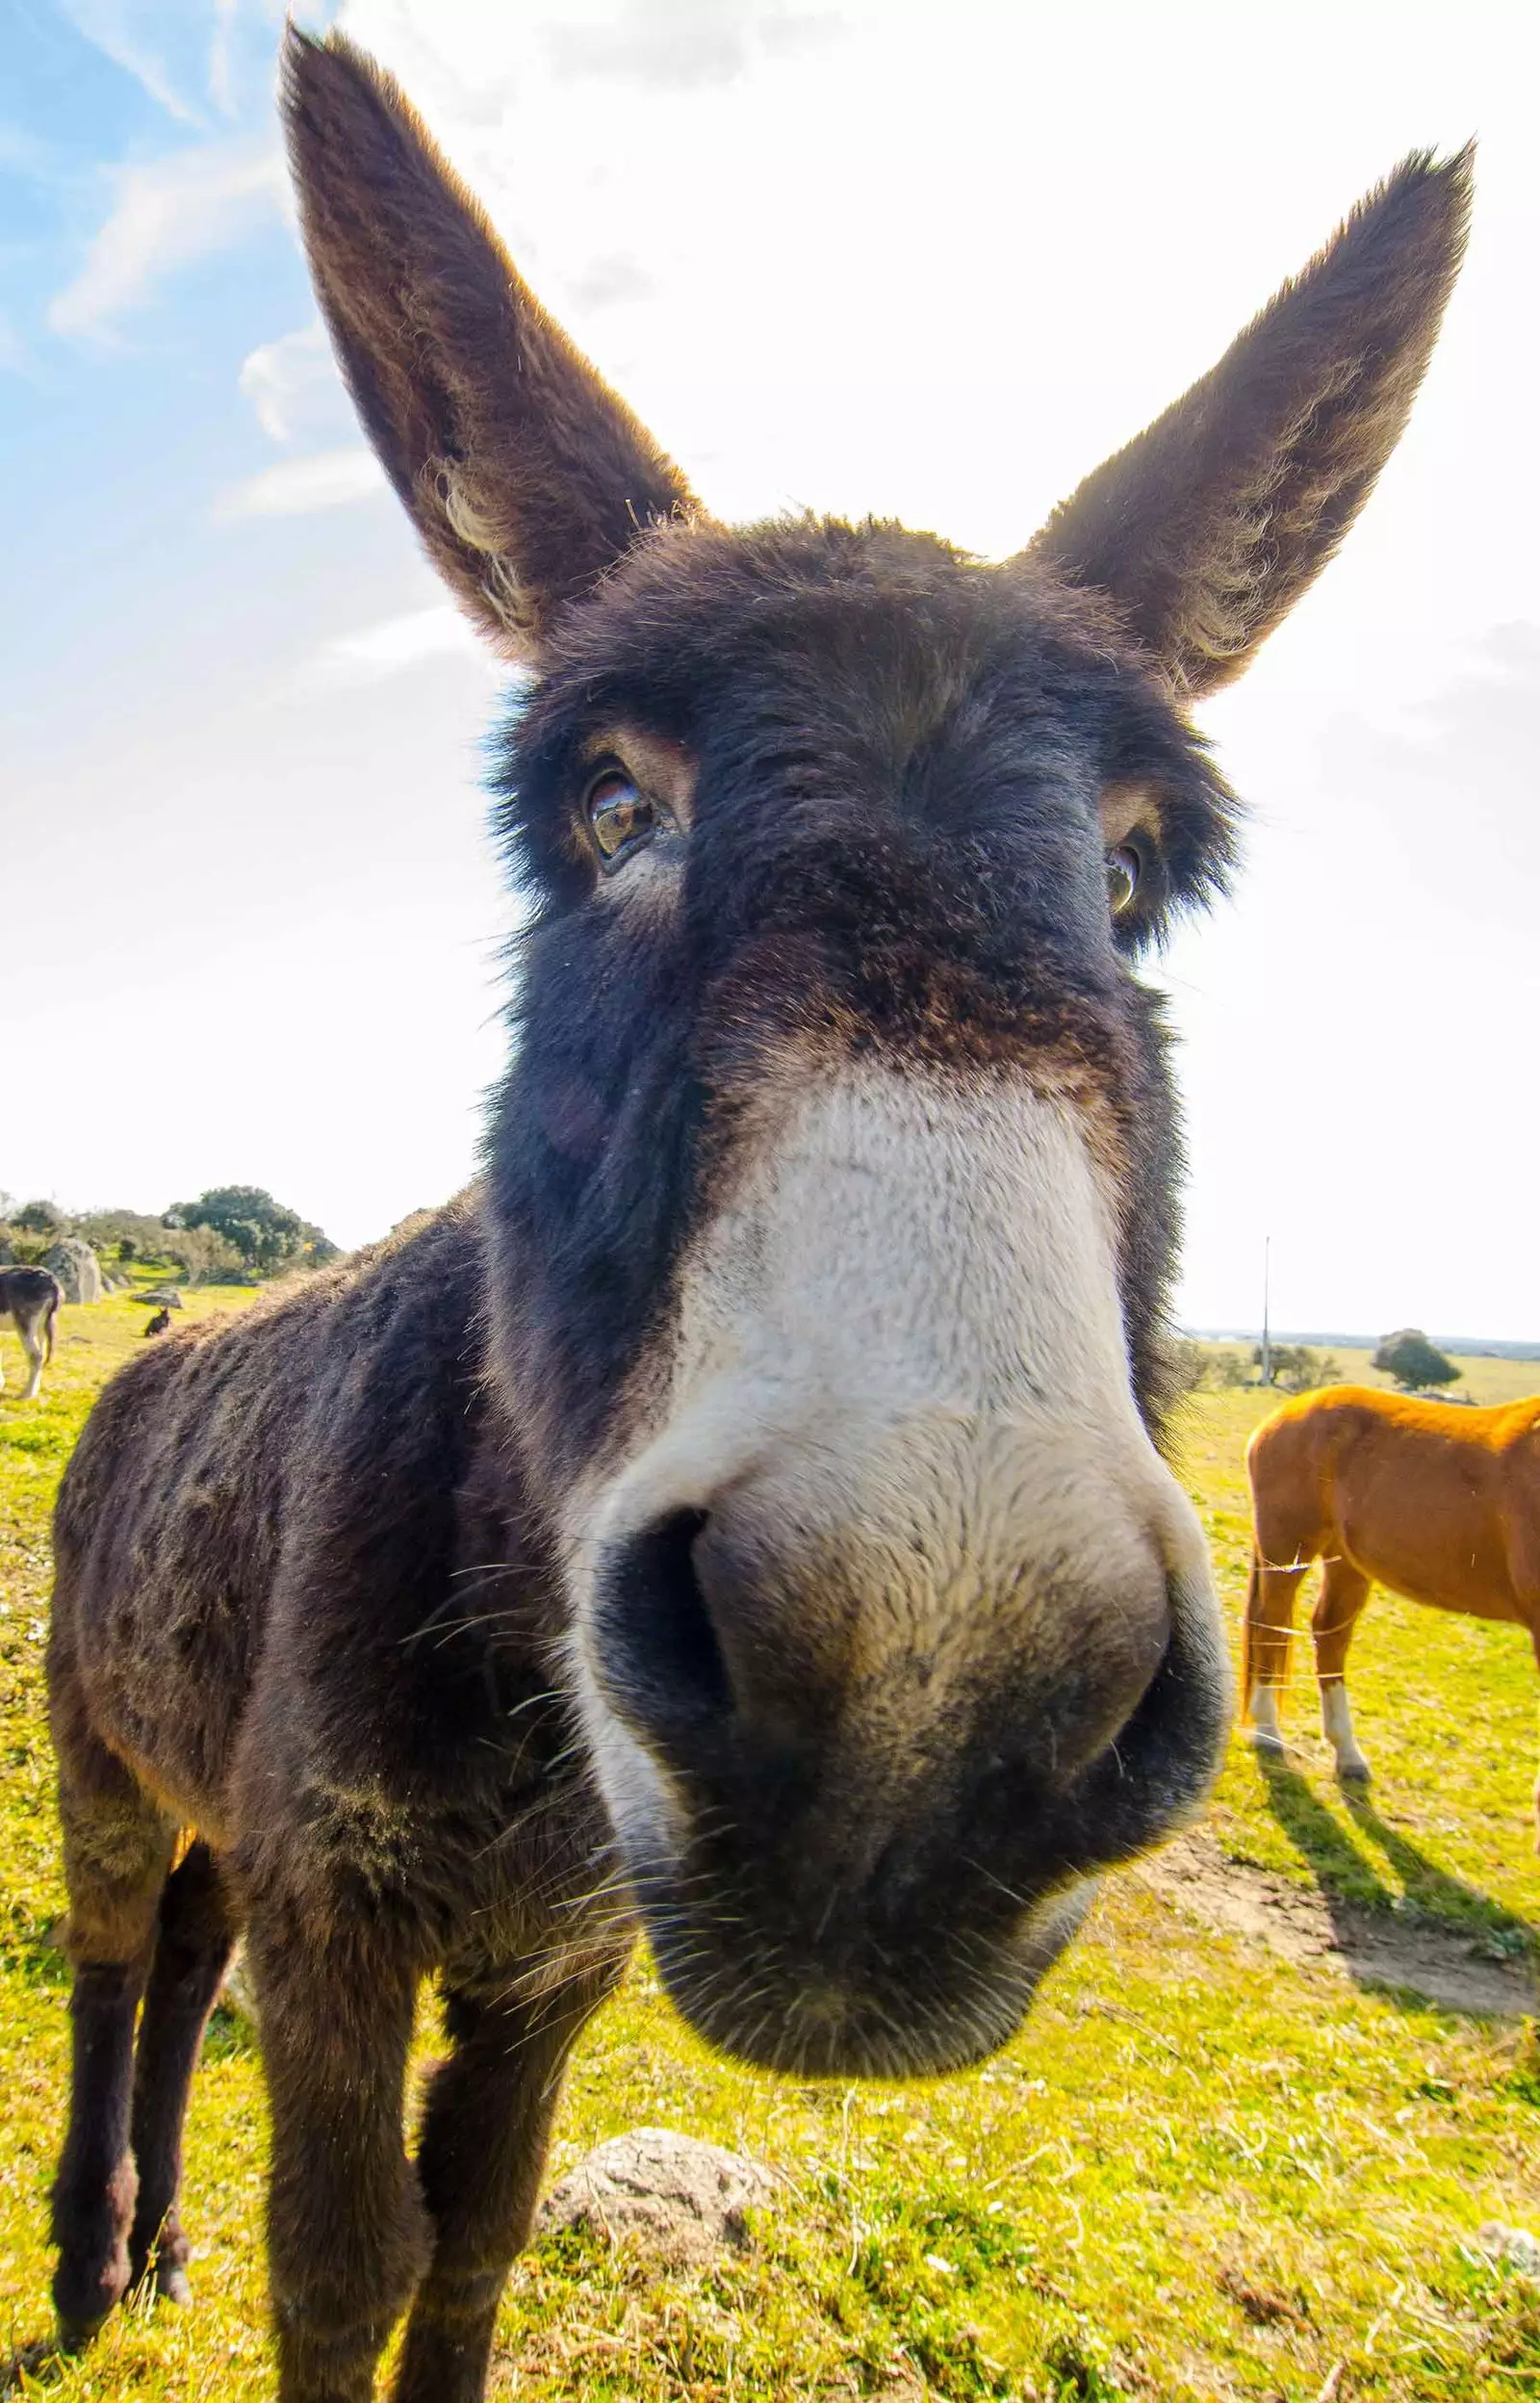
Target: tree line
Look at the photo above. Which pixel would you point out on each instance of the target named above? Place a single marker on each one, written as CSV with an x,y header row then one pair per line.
x,y
231,1234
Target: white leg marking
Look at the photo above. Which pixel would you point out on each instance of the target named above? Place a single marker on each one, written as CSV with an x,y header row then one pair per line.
x,y
1337,1726
1267,1735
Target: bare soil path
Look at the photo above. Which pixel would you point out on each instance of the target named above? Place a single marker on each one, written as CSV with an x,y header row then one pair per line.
x,y
1304,1926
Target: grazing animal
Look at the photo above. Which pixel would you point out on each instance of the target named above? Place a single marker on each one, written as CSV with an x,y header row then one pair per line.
x,y
161,1321
31,1296
1441,1506
742,1514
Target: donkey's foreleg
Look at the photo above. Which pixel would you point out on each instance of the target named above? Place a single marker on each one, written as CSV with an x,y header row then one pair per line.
x,y
484,2139
348,2236
32,1345
1343,1592
118,1848
192,1948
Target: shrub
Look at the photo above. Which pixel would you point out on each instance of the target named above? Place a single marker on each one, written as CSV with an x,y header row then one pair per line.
x,y
1298,1369
194,1256
40,1218
268,1236
1412,1361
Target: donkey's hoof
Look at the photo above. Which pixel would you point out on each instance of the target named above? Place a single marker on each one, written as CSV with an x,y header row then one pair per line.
x,y
74,2335
173,2286
1355,1773
1263,1740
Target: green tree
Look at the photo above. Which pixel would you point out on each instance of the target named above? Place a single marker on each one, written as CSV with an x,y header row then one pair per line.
x,y
1412,1361
40,1218
268,1236
1298,1369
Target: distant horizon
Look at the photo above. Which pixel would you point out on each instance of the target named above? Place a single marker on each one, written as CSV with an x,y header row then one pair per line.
x,y
1472,1347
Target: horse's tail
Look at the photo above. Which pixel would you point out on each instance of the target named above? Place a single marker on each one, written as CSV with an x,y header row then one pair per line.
x,y
1254,1603
49,1315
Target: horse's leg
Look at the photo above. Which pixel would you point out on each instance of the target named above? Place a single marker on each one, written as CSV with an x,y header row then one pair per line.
x,y
1269,1627
348,2236
1343,1592
118,1850
192,1948
483,2146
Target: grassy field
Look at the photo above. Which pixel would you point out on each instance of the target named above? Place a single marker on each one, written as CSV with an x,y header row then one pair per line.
x,y
1201,2170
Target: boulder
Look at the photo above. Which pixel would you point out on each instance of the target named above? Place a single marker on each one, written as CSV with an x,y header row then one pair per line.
x,y
159,1297
74,1264
684,2199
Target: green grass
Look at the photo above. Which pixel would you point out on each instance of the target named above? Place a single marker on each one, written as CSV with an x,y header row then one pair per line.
x,y
1198,2172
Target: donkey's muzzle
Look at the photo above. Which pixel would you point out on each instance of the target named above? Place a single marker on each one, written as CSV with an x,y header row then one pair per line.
x,y
860,1794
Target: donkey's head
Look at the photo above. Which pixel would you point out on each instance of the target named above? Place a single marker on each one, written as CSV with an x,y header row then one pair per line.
x,y
832,1193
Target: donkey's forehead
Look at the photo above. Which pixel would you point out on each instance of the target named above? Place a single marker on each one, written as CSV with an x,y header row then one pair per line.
x,y
898,622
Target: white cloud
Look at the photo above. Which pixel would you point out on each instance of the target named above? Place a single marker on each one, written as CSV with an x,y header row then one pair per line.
x,y
327,479
104,23
221,84
168,215
396,643
283,380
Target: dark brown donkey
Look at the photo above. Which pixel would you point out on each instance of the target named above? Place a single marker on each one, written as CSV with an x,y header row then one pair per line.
x,y
742,1516
31,1298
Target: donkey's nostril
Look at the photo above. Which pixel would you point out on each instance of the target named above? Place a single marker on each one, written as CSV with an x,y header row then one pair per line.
x,y
659,1659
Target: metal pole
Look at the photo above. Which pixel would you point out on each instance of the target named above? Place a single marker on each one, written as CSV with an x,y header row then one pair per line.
x,y
1266,1281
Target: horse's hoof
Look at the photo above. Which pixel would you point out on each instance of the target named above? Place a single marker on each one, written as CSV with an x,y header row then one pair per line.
x,y
171,2286
1261,1739
1355,1773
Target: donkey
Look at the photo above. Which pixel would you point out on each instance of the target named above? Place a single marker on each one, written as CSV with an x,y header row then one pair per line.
x,y
31,1296
741,1516
1442,1506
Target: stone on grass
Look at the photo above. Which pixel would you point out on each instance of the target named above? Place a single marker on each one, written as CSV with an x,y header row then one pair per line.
x,y
1514,2245
74,1264
684,2199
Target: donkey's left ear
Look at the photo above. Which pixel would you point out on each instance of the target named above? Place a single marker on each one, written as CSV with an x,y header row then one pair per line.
x,y
523,474
1211,524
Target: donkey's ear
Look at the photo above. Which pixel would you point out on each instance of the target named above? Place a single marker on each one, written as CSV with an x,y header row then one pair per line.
x,y
523,474
1211,524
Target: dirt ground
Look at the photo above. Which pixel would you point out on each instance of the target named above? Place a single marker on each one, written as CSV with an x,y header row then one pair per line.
x,y
1303,1926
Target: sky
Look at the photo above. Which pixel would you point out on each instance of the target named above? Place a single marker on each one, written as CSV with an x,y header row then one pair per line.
x,y
926,260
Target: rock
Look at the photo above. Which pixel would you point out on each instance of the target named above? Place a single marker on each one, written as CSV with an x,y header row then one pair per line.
x,y
1515,2245
7,1252
159,1297
237,1992
74,1264
685,2199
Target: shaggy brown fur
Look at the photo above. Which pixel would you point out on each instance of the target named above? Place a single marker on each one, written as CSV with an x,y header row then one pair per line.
x,y
816,820
31,1296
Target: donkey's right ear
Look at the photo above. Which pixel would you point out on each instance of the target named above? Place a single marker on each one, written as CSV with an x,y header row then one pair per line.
x,y
523,474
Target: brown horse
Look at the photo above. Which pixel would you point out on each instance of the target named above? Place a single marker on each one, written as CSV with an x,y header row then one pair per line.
x,y
32,1297
1439,1505
743,1515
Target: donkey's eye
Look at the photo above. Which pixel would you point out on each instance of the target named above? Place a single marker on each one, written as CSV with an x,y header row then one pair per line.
x,y
1122,877
620,817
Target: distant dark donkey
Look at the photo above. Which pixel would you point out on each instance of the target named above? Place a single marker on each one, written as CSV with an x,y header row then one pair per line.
x,y
741,1515
31,1296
